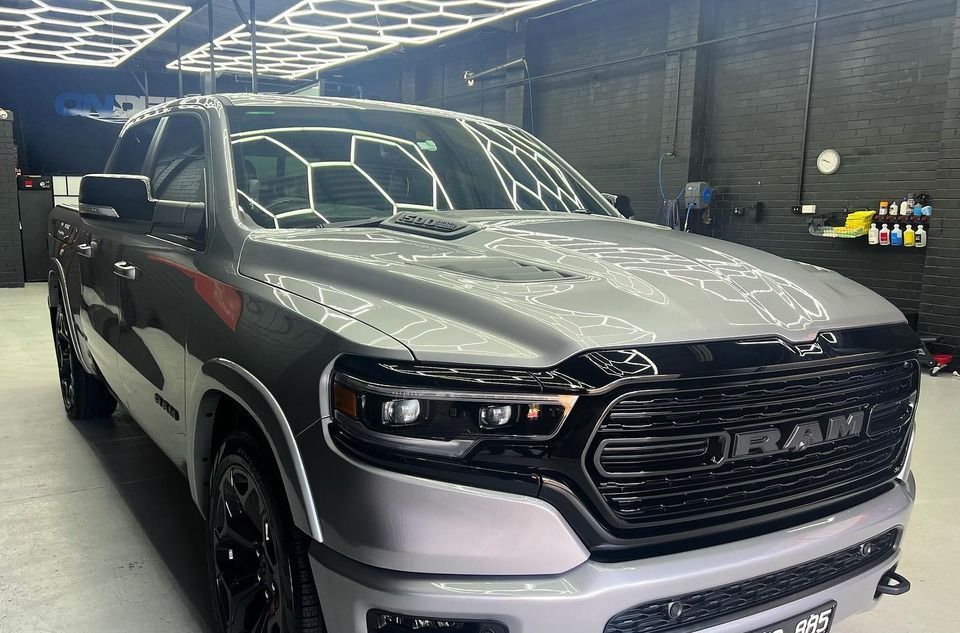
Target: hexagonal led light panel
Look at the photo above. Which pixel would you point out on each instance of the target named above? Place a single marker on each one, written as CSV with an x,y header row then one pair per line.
x,y
349,30
85,32
281,51
401,21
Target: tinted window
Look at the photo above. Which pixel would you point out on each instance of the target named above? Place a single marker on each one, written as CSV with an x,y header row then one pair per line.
x,y
132,149
309,166
179,169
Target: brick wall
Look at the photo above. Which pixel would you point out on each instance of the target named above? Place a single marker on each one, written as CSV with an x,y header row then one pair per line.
x,y
877,97
940,299
606,123
434,76
11,253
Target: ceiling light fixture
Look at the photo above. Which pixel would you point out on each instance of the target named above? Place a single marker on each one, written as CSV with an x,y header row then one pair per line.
x,y
102,33
281,51
289,45
401,21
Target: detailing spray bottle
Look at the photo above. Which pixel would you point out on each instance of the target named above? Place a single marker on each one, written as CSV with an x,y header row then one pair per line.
x,y
896,236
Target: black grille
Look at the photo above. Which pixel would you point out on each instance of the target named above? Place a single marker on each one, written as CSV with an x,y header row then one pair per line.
x,y
714,605
663,458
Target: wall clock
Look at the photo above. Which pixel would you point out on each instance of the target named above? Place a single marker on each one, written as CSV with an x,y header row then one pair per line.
x,y
828,161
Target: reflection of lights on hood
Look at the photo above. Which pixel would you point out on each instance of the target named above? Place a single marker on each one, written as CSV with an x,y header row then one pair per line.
x,y
101,33
775,299
318,34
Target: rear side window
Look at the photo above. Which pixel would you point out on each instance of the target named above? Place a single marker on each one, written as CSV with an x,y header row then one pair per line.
x,y
178,171
132,149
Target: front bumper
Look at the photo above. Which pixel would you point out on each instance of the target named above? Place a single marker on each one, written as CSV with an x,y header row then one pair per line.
x,y
583,599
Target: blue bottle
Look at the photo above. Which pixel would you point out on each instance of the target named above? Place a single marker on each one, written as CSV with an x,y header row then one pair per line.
x,y
896,236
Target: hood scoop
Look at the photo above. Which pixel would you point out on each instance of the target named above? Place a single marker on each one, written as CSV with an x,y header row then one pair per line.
x,y
429,225
501,269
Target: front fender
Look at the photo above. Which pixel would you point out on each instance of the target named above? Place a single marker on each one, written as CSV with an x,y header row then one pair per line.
x,y
222,376
57,291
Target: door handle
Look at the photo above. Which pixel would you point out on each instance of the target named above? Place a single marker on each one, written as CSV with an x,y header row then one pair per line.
x,y
125,270
87,250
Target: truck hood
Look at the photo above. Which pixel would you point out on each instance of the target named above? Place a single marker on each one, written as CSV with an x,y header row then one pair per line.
x,y
534,289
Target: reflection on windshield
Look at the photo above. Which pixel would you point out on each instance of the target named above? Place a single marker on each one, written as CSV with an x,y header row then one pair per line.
x,y
370,163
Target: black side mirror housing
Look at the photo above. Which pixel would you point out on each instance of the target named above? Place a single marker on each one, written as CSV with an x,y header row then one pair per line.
x,y
179,218
621,203
127,200
117,197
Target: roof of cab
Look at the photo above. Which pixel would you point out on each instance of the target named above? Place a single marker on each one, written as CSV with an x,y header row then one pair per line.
x,y
277,100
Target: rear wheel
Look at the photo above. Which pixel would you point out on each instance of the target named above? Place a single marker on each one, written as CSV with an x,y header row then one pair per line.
x,y
259,567
84,396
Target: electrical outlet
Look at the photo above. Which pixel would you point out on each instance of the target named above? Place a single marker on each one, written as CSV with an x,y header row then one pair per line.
x,y
795,209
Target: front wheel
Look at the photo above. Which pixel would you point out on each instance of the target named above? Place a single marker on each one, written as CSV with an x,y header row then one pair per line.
x,y
84,396
259,567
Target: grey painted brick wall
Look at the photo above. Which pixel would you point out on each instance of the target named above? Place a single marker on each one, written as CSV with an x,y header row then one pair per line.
x,y
607,123
878,98
11,252
940,300
885,94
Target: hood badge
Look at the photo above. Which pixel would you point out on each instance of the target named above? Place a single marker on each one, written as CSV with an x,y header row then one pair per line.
x,y
429,225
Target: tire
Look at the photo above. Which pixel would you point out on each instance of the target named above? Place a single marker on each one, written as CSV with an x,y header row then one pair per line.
x,y
84,395
258,560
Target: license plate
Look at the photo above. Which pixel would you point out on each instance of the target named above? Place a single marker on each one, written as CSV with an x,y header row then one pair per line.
x,y
815,621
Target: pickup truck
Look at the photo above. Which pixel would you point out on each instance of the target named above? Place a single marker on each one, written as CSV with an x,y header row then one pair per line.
x,y
422,376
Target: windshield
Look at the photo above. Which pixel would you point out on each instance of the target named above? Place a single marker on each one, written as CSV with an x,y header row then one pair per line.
x,y
311,166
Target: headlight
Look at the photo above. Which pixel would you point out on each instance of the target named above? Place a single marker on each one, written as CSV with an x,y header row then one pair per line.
x,y
442,422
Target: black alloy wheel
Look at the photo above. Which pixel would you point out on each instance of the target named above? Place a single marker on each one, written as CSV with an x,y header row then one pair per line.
x,y
84,395
258,561
65,359
253,592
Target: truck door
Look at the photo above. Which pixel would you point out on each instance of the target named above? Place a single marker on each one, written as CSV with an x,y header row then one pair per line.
x,y
157,278
93,251
98,307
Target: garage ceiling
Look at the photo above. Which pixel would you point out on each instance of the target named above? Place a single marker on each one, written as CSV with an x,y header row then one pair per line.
x,y
87,32
314,35
282,51
294,39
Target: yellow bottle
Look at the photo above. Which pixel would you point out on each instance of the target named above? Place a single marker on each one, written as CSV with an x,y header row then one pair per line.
x,y
909,236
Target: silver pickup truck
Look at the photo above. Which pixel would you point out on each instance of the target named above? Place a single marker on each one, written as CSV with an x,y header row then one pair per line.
x,y
422,377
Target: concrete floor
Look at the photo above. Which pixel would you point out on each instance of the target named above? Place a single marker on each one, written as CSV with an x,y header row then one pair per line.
x,y
98,533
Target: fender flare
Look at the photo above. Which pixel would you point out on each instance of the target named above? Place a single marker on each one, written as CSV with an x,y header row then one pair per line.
x,y
221,376
56,277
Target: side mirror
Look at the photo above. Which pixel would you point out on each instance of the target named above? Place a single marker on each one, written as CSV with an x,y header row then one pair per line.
x,y
117,197
621,203
127,200
179,218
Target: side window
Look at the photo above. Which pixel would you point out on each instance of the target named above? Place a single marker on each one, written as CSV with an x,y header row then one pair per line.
x,y
132,149
179,168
